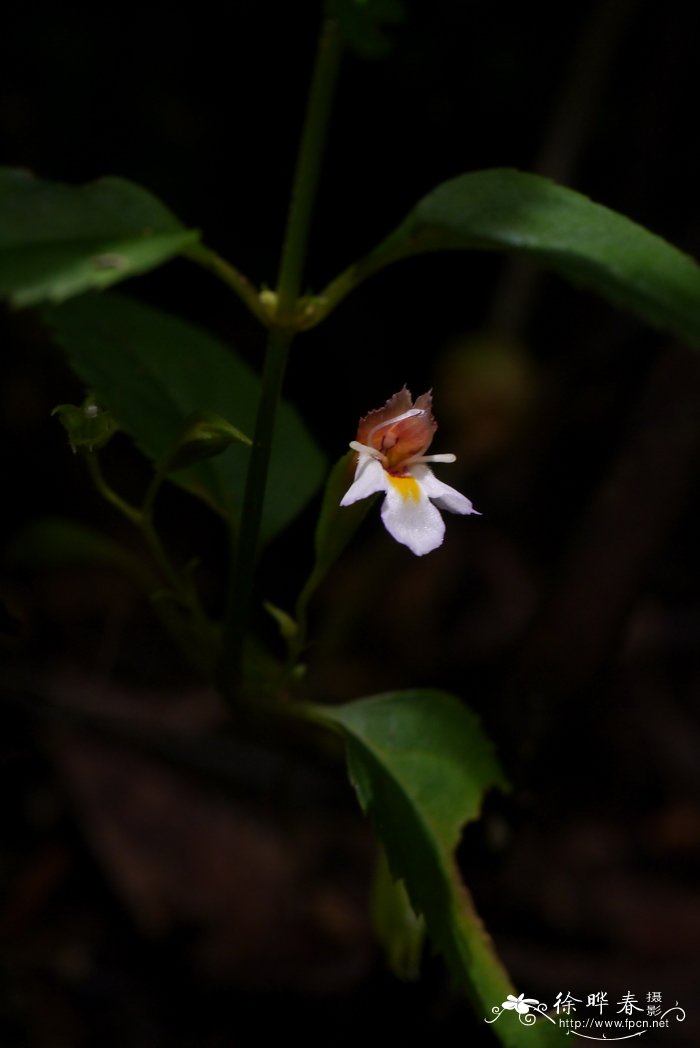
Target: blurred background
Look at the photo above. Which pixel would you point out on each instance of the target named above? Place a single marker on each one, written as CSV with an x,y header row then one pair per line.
x,y
165,882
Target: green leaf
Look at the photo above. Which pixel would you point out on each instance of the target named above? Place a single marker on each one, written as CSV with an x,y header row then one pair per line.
x,y
153,370
421,764
58,240
87,426
588,244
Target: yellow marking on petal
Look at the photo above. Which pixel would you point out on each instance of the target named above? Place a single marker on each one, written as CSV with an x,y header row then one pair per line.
x,y
407,487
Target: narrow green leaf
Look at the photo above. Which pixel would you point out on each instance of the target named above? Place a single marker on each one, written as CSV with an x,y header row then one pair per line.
x,y
154,370
287,626
588,244
58,240
335,527
421,764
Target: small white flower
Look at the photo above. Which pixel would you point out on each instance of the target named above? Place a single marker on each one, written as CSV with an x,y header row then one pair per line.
x,y
520,1004
390,458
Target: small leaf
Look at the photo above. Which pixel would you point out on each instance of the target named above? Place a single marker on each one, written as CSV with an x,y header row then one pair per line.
x,y
588,244
58,240
154,370
287,625
87,426
203,436
421,764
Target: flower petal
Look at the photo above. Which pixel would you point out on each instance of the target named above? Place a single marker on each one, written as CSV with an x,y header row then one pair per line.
x,y
369,478
410,517
442,495
394,406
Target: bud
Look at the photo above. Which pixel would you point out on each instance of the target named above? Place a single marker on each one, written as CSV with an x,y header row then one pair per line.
x,y
89,427
269,299
203,436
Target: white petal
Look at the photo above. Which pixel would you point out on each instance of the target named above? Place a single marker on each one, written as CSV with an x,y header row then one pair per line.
x,y
412,519
443,495
369,478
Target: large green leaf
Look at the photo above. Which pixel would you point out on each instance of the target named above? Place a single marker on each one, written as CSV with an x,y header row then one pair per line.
x,y
58,240
153,371
421,764
506,210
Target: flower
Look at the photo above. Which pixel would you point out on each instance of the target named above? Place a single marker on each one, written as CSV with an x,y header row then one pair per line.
x,y
520,1004
391,445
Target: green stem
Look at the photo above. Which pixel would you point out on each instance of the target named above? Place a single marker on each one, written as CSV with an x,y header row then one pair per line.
x,y
403,243
243,574
196,632
308,167
232,277
201,652
339,288
151,493
316,308
107,493
280,338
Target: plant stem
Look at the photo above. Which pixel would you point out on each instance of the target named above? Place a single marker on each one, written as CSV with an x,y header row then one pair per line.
x,y
246,291
319,306
198,638
243,573
108,493
315,308
280,338
308,167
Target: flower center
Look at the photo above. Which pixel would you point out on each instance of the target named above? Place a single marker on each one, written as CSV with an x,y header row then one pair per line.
x,y
413,413
407,487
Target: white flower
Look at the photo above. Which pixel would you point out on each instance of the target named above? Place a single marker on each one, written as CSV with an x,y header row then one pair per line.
x,y
520,1004
390,458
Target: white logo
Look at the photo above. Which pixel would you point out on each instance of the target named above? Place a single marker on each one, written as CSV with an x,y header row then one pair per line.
x,y
629,1017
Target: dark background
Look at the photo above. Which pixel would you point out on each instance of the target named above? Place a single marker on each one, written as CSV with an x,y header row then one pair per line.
x,y
154,898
